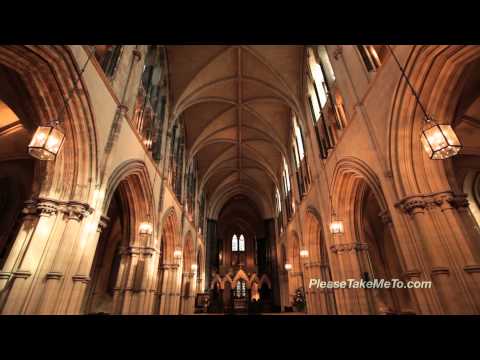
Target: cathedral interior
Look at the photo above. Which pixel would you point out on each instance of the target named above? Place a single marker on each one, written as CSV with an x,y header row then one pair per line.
x,y
233,179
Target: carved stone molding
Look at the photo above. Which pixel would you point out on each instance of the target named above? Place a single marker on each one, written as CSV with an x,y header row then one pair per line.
x,y
23,274
440,270
54,275
341,248
471,268
169,266
459,201
139,250
4,275
85,279
47,207
411,274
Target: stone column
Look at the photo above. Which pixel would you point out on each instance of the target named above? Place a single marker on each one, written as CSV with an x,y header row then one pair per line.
x,y
318,296
345,264
64,249
433,222
168,291
81,276
20,272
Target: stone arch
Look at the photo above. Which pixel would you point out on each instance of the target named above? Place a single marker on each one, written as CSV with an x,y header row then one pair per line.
x,y
132,180
49,73
169,235
433,71
126,205
359,201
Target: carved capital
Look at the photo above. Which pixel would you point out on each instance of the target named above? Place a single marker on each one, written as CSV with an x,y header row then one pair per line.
x,y
444,200
47,207
76,210
412,205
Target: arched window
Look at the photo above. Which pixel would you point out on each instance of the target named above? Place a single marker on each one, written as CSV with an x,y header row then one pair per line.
x,y
372,55
301,169
234,243
238,243
241,289
287,189
241,243
151,101
108,56
324,100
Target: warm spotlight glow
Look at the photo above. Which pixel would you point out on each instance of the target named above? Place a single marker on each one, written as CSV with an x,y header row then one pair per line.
x,y
440,141
194,267
46,142
336,227
145,228
304,253
288,266
177,254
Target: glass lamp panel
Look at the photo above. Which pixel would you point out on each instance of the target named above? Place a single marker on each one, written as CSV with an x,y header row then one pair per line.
x,y
55,141
40,136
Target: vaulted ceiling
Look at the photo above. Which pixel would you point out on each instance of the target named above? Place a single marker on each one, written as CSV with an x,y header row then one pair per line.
x,y
236,103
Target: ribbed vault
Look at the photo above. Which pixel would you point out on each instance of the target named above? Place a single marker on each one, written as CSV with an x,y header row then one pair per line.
x,y
236,103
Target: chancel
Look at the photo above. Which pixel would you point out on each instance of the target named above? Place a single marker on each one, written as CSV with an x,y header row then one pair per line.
x,y
239,179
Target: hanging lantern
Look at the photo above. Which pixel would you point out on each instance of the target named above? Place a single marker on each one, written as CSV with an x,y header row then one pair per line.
x,y
336,227
304,253
288,266
46,143
439,141
145,228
